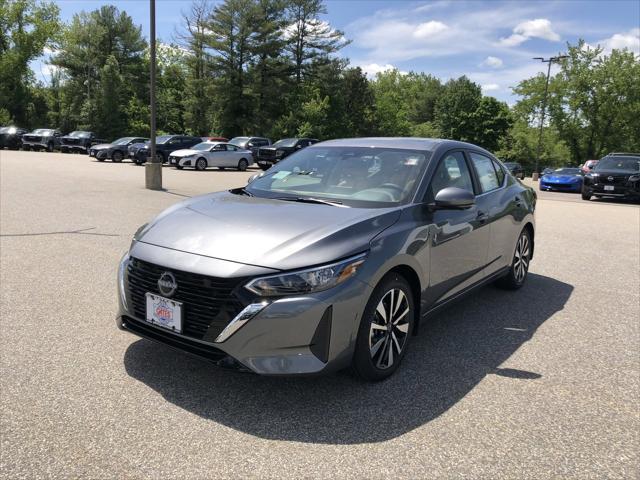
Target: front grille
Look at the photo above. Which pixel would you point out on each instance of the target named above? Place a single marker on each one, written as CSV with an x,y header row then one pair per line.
x,y
265,153
31,138
615,179
209,303
70,141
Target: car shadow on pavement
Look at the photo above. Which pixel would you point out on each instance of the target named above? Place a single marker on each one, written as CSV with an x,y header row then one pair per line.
x,y
452,354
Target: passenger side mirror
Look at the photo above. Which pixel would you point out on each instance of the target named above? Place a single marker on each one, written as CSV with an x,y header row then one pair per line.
x,y
253,177
454,198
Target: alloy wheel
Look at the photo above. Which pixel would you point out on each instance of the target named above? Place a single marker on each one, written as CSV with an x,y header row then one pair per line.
x,y
521,259
389,328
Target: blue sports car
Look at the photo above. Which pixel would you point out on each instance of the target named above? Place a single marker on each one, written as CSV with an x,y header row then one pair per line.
x,y
562,179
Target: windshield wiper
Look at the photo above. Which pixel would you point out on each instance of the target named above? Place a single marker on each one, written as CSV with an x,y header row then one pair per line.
x,y
333,203
242,191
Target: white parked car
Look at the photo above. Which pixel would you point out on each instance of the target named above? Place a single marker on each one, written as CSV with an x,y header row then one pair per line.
x,y
212,154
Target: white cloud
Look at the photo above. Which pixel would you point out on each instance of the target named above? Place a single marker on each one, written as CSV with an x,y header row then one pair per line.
x,y
489,87
429,29
493,62
630,40
371,69
537,28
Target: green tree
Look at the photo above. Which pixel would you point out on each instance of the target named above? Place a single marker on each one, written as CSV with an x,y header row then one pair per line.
x,y
310,39
456,107
593,102
26,28
111,121
492,121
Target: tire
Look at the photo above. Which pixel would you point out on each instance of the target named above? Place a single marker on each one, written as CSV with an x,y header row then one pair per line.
x,y
117,156
179,167
586,195
100,159
50,147
265,167
63,150
26,148
519,269
243,164
380,348
160,157
201,164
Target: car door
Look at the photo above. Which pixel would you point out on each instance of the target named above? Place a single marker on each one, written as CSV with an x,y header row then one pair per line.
x,y
459,238
216,156
233,156
496,203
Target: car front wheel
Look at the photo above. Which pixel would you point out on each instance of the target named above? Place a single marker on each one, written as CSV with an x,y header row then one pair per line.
x,y
586,194
116,156
385,329
201,164
243,164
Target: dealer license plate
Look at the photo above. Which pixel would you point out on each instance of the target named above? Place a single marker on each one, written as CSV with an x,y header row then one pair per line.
x,y
609,188
164,312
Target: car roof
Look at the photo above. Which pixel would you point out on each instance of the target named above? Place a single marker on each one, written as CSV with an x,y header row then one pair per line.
x,y
412,143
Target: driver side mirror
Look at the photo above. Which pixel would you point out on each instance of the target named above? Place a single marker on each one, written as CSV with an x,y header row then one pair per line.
x,y
453,198
253,177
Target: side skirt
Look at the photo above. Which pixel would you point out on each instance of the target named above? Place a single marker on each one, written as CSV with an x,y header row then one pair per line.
x,y
435,309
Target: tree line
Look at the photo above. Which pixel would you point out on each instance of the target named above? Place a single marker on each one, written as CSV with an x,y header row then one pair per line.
x,y
271,68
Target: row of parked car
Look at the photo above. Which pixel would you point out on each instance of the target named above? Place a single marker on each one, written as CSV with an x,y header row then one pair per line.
x,y
616,175
180,151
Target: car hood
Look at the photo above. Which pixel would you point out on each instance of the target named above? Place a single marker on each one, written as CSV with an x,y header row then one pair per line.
x,y
185,152
102,146
561,178
264,232
614,173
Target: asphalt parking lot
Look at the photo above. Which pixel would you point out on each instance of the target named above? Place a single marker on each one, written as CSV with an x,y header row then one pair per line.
x,y
539,383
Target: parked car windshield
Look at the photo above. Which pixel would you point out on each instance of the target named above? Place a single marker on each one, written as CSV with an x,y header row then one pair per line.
x,y
566,171
45,132
80,134
239,141
123,141
618,163
204,146
163,139
286,142
353,176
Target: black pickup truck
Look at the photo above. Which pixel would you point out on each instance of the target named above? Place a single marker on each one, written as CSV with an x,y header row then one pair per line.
x,y
79,141
165,145
41,139
268,156
11,137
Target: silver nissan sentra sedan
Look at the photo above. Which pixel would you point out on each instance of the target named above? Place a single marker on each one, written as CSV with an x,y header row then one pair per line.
x,y
329,259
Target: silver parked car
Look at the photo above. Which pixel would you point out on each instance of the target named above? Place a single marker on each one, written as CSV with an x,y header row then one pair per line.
x,y
212,154
331,258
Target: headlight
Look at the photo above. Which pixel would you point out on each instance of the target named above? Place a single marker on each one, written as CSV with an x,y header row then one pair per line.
x,y
279,153
307,281
186,157
121,272
634,178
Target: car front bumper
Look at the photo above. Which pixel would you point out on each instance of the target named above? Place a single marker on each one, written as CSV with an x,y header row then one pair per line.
x,y
620,191
298,335
561,187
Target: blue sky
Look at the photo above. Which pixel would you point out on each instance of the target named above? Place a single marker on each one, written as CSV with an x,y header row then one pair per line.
x,y
492,42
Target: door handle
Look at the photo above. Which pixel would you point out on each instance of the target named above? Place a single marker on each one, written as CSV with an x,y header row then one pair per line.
x,y
482,217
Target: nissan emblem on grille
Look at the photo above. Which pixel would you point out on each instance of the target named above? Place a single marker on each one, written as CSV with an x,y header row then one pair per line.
x,y
167,284
610,178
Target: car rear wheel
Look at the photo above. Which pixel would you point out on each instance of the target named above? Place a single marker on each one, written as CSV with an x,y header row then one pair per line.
x,y
117,156
201,164
520,263
26,148
385,329
243,164
179,167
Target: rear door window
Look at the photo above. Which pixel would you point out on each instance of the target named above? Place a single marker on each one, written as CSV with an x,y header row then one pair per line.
x,y
486,172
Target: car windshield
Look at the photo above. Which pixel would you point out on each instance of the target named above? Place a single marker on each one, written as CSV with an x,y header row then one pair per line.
x,y
239,141
204,146
79,134
45,132
123,141
566,171
353,176
286,142
163,139
618,163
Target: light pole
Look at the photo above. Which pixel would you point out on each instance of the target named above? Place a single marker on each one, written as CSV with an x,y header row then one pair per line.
x,y
549,61
153,168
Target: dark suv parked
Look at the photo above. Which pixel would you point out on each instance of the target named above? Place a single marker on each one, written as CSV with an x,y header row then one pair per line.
x,y
616,175
165,145
11,137
41,139
79,141
515,169
268,156
250,143
116,150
